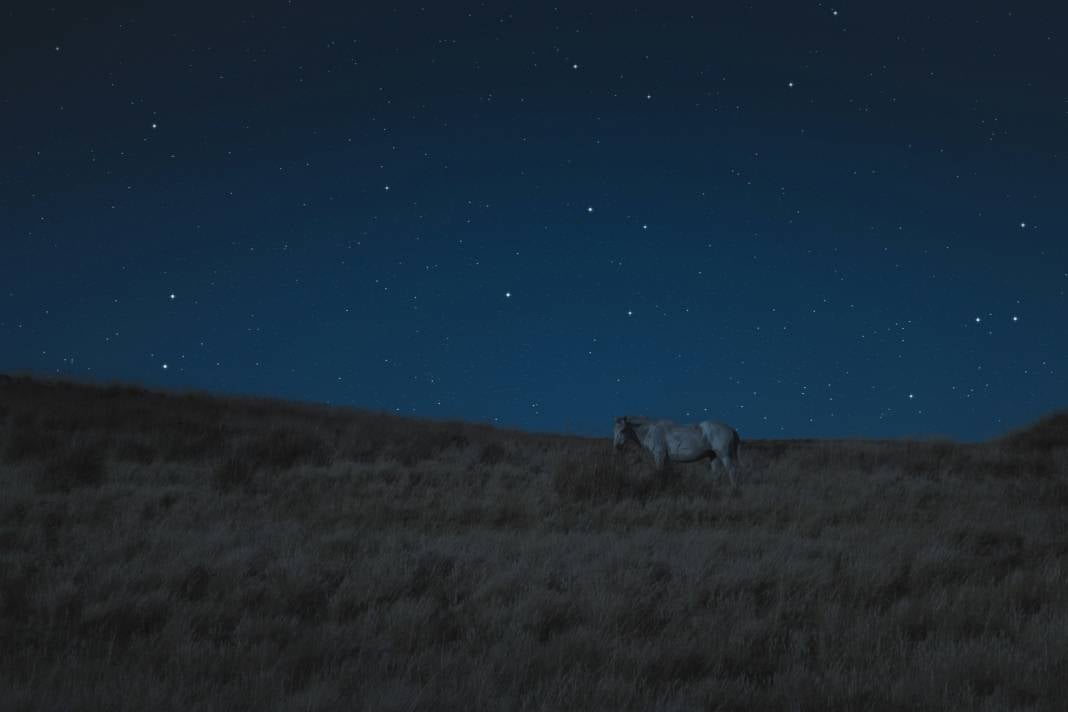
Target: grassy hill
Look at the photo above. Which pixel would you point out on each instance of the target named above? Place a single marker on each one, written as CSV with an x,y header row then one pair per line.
x,y
176,552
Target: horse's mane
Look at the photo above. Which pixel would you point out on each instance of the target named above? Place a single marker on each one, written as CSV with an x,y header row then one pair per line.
x,y
638,419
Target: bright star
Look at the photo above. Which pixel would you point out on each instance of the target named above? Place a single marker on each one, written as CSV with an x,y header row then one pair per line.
x,y
977,320
172,295
574,66
153,125
1023,224
164,367
589,209
630,313
790,84
507,295
387,187
1015,318
645,227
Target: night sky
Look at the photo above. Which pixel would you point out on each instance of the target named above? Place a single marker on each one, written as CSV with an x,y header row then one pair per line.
x,y
803,219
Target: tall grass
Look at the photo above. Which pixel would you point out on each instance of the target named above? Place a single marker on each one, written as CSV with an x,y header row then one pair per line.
x,y
187,552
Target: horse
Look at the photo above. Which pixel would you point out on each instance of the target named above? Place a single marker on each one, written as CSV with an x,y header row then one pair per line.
x,y
670,441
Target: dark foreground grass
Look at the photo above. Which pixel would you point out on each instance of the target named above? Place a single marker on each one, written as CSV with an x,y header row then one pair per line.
x,y
181,552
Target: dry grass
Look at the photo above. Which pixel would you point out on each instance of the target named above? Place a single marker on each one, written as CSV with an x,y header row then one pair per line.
x,y
185,552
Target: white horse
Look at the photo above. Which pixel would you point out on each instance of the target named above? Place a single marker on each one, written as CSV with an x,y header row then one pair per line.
x,y
681,443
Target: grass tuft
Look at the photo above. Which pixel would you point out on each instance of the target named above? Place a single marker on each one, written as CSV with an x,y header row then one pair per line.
x,y
233,472
73,465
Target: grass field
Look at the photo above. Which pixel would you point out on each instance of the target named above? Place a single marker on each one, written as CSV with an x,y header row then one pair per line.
x,y
179,552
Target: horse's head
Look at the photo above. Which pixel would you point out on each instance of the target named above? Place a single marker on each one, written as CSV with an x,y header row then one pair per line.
x,y
621,432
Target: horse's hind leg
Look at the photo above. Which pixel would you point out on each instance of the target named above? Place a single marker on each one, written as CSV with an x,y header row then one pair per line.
x,y
728,465
712,460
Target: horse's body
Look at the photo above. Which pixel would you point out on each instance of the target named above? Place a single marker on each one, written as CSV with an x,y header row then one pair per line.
x,y
670,441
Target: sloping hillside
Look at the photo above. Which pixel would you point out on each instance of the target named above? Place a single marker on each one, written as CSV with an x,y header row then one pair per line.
x,y
1049,433
171,551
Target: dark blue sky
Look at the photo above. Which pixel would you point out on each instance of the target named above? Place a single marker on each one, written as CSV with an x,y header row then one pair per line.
x,y
804,219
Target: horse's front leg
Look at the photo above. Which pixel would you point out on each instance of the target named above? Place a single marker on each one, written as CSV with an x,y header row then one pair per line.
x,y
660,459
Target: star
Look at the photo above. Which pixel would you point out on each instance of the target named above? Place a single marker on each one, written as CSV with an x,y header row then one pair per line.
x,y
630,313
977,320
172,295
507,295
574,66
1023,225
387,187
154,125
164,367
589,209
790,84
1015,318
645,227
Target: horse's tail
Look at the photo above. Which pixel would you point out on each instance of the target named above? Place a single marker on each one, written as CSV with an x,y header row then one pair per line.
x,y
736,447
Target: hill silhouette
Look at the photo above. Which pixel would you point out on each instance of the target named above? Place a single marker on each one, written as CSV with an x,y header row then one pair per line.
x,y
1049,433
184,551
